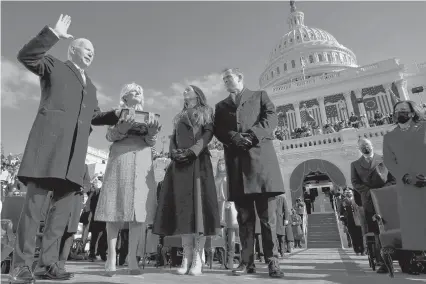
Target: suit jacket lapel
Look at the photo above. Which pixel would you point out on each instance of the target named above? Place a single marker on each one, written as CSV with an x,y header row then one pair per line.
x,y
75,70
376,160
229,101
364,163
245,95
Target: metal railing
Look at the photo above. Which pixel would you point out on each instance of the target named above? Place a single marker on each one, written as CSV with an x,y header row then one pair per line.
x,y
338,223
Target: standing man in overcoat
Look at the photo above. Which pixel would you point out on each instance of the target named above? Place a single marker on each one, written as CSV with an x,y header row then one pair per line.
x,y
244,123
56,149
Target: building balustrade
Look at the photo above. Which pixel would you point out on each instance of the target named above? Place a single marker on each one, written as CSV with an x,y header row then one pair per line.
x,y
335,76
344,136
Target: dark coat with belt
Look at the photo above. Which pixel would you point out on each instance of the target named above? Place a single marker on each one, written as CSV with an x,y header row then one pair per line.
x,y
366,176
58,140
187,202
283,213
256,170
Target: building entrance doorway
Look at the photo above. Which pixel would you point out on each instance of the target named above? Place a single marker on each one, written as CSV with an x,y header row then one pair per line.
x,y
317,193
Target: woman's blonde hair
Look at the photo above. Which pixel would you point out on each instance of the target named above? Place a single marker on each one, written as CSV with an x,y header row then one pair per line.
x,y
128,88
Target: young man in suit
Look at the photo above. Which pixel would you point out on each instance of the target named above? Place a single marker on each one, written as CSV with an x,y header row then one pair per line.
x,y
244,123
369,172
56,149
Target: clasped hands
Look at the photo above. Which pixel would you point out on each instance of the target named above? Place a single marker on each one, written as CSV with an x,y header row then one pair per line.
x,y
418,181
243,141
183,156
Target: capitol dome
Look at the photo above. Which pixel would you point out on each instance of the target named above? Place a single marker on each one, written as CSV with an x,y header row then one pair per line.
x,y
304,52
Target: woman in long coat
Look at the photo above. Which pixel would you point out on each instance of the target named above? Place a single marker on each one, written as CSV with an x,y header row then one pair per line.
x,y
284,230
128,191
404,154
350,215
296,225
188,203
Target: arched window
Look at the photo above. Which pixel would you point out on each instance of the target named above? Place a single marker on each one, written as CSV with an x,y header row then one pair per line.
x,y
293,64
285,67
320,58
272,74
311,59
329,59
278,70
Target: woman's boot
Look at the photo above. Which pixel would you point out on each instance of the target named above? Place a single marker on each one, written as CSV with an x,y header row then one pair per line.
x,y
197,263
188,246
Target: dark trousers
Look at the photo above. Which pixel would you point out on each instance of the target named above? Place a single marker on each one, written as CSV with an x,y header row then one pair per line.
x,y
56,221
282,247
266,210
357,238
99,237
124,246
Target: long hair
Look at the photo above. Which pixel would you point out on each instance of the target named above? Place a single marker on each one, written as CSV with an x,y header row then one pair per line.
x,y
203,113
414,107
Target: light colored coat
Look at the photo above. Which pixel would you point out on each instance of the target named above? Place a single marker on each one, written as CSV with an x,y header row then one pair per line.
x,y
404,152
129,189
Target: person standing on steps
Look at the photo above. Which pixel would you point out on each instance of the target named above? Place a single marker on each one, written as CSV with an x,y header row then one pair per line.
x,y
244,123
55,152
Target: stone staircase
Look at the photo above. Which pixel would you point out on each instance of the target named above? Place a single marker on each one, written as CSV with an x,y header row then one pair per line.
x,y
323,231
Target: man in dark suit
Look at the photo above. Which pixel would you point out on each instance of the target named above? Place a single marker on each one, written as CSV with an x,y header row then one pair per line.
x,y
56,149
369,172
244,123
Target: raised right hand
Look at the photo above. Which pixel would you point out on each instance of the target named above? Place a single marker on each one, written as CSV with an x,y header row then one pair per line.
x,y
125,124
61,27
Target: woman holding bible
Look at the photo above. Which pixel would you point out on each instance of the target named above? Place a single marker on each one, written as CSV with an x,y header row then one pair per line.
x,y
128,192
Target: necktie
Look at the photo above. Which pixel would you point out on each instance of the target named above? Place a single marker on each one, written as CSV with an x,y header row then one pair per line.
x,y
236,98
83,75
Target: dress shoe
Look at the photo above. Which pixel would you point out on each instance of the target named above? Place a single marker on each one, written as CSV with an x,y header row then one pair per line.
x,y
22,275
243,269
382,269
53,272
274,269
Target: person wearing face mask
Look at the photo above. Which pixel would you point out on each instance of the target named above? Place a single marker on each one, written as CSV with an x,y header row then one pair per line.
x,y
187,203
369,172
404,153
350,216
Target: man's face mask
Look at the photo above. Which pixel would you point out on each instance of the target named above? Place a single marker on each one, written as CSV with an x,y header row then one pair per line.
x,y
366,149
403,116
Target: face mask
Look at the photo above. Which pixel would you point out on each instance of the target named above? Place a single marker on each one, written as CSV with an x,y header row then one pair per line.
x,y
366,150
403,117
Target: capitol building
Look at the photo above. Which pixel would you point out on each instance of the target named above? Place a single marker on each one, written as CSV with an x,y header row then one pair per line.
x,y
309,71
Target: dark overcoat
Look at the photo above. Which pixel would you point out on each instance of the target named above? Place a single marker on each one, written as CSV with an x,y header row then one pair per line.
x,y
58,140
283,213
366,176
256,170
404,152
187,202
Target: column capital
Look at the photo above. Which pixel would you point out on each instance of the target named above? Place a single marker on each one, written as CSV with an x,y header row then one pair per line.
x,y
358,93
296,104
387,86
321,99
402,83
347,94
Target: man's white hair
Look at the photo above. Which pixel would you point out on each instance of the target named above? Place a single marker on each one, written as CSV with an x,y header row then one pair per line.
x,y
364,141
128,88
76,43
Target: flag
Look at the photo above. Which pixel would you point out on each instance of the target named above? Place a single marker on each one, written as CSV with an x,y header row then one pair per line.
x,y
306,117
331,112
370,104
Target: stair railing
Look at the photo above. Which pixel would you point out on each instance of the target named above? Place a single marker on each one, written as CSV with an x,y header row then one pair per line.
x,y
305,226
339,224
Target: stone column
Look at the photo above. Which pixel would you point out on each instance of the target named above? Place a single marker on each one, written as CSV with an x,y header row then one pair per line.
x,y
296,106
322,110
348,100
358,95
402,89
387,87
